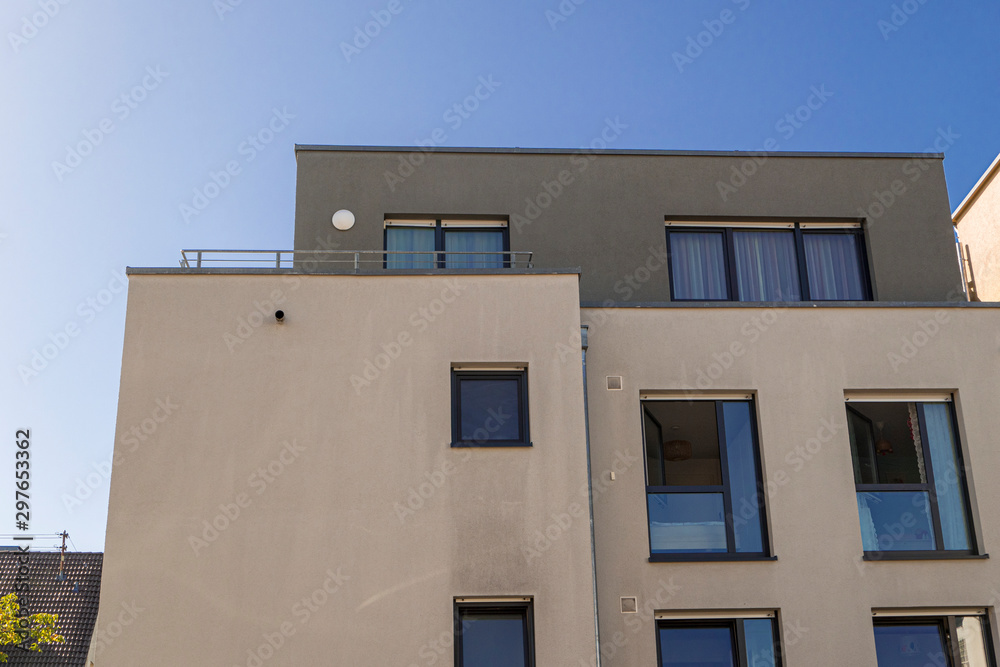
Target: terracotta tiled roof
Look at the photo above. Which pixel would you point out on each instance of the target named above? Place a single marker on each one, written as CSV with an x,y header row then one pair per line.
x,y
75,600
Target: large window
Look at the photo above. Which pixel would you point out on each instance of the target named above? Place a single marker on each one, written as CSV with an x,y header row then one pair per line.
x,y
494,634
451,244
767,262
743,642
910,478
703,481
941,641
489,408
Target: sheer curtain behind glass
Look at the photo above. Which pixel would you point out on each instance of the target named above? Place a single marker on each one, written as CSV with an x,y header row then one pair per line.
x,y
416,242
766,266
699,265
947,477
833,266
461,244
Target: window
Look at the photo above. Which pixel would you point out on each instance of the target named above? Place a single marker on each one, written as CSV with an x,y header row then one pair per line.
x,y
746,642
703,480
767,262
909,477
942,641
494,634
451,244
489,408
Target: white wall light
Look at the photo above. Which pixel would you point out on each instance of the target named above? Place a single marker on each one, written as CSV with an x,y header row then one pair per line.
x,y
343,219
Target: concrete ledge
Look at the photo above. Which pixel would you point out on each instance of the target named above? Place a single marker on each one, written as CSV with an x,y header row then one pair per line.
x,y
780,305
621,151
234,271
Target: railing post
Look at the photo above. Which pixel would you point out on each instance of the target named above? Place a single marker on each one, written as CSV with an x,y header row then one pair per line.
x,y
357,261
199,259
277,259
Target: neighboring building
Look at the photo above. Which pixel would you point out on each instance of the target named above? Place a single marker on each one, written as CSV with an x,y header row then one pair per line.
x,y
977,220
719,405
70,588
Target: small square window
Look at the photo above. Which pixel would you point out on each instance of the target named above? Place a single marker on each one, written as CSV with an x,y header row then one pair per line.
x,y
945,641
740,642
489,409
494,634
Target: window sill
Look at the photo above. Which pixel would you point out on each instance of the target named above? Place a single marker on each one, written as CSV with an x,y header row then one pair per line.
x,y
708,558
875,556
491,445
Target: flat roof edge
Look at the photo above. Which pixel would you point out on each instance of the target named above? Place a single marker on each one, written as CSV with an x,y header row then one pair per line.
x,y
784,305
622,151
236,271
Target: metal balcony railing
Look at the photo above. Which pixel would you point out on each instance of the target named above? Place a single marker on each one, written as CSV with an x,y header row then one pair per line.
x,y
338,261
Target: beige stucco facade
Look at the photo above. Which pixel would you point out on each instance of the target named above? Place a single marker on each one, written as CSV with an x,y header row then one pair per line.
x,y
978,223
797,363
344,523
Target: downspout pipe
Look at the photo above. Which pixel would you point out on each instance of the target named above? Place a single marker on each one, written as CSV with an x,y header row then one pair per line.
x,y
584,329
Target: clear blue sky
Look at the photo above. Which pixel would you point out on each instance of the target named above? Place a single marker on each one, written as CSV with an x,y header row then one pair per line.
x,y
210,74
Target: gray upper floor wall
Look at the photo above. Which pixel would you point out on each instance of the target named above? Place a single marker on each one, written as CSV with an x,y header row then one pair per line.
x,y
605,212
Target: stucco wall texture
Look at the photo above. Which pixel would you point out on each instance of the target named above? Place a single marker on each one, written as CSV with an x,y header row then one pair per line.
x,y
797,363
979,228
340,522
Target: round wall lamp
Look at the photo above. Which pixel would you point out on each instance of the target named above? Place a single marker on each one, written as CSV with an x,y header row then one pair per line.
x,y
343,219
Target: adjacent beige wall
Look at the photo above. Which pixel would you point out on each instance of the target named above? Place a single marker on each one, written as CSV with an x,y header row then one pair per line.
x,y
798,362
978,223
332,507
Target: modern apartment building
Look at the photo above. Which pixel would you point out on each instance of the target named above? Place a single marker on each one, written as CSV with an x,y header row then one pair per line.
x,y
507,407
977,223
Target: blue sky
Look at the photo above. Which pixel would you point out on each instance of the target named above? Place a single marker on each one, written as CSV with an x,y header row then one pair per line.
x,y
161,95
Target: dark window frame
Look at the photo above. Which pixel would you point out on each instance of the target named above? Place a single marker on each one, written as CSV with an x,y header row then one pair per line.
x,y
525,607
729,257
458,376
949,627
727,503
440,230
735,625
931,490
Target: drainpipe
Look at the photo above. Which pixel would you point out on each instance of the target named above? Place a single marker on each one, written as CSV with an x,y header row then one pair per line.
x,y
590,490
